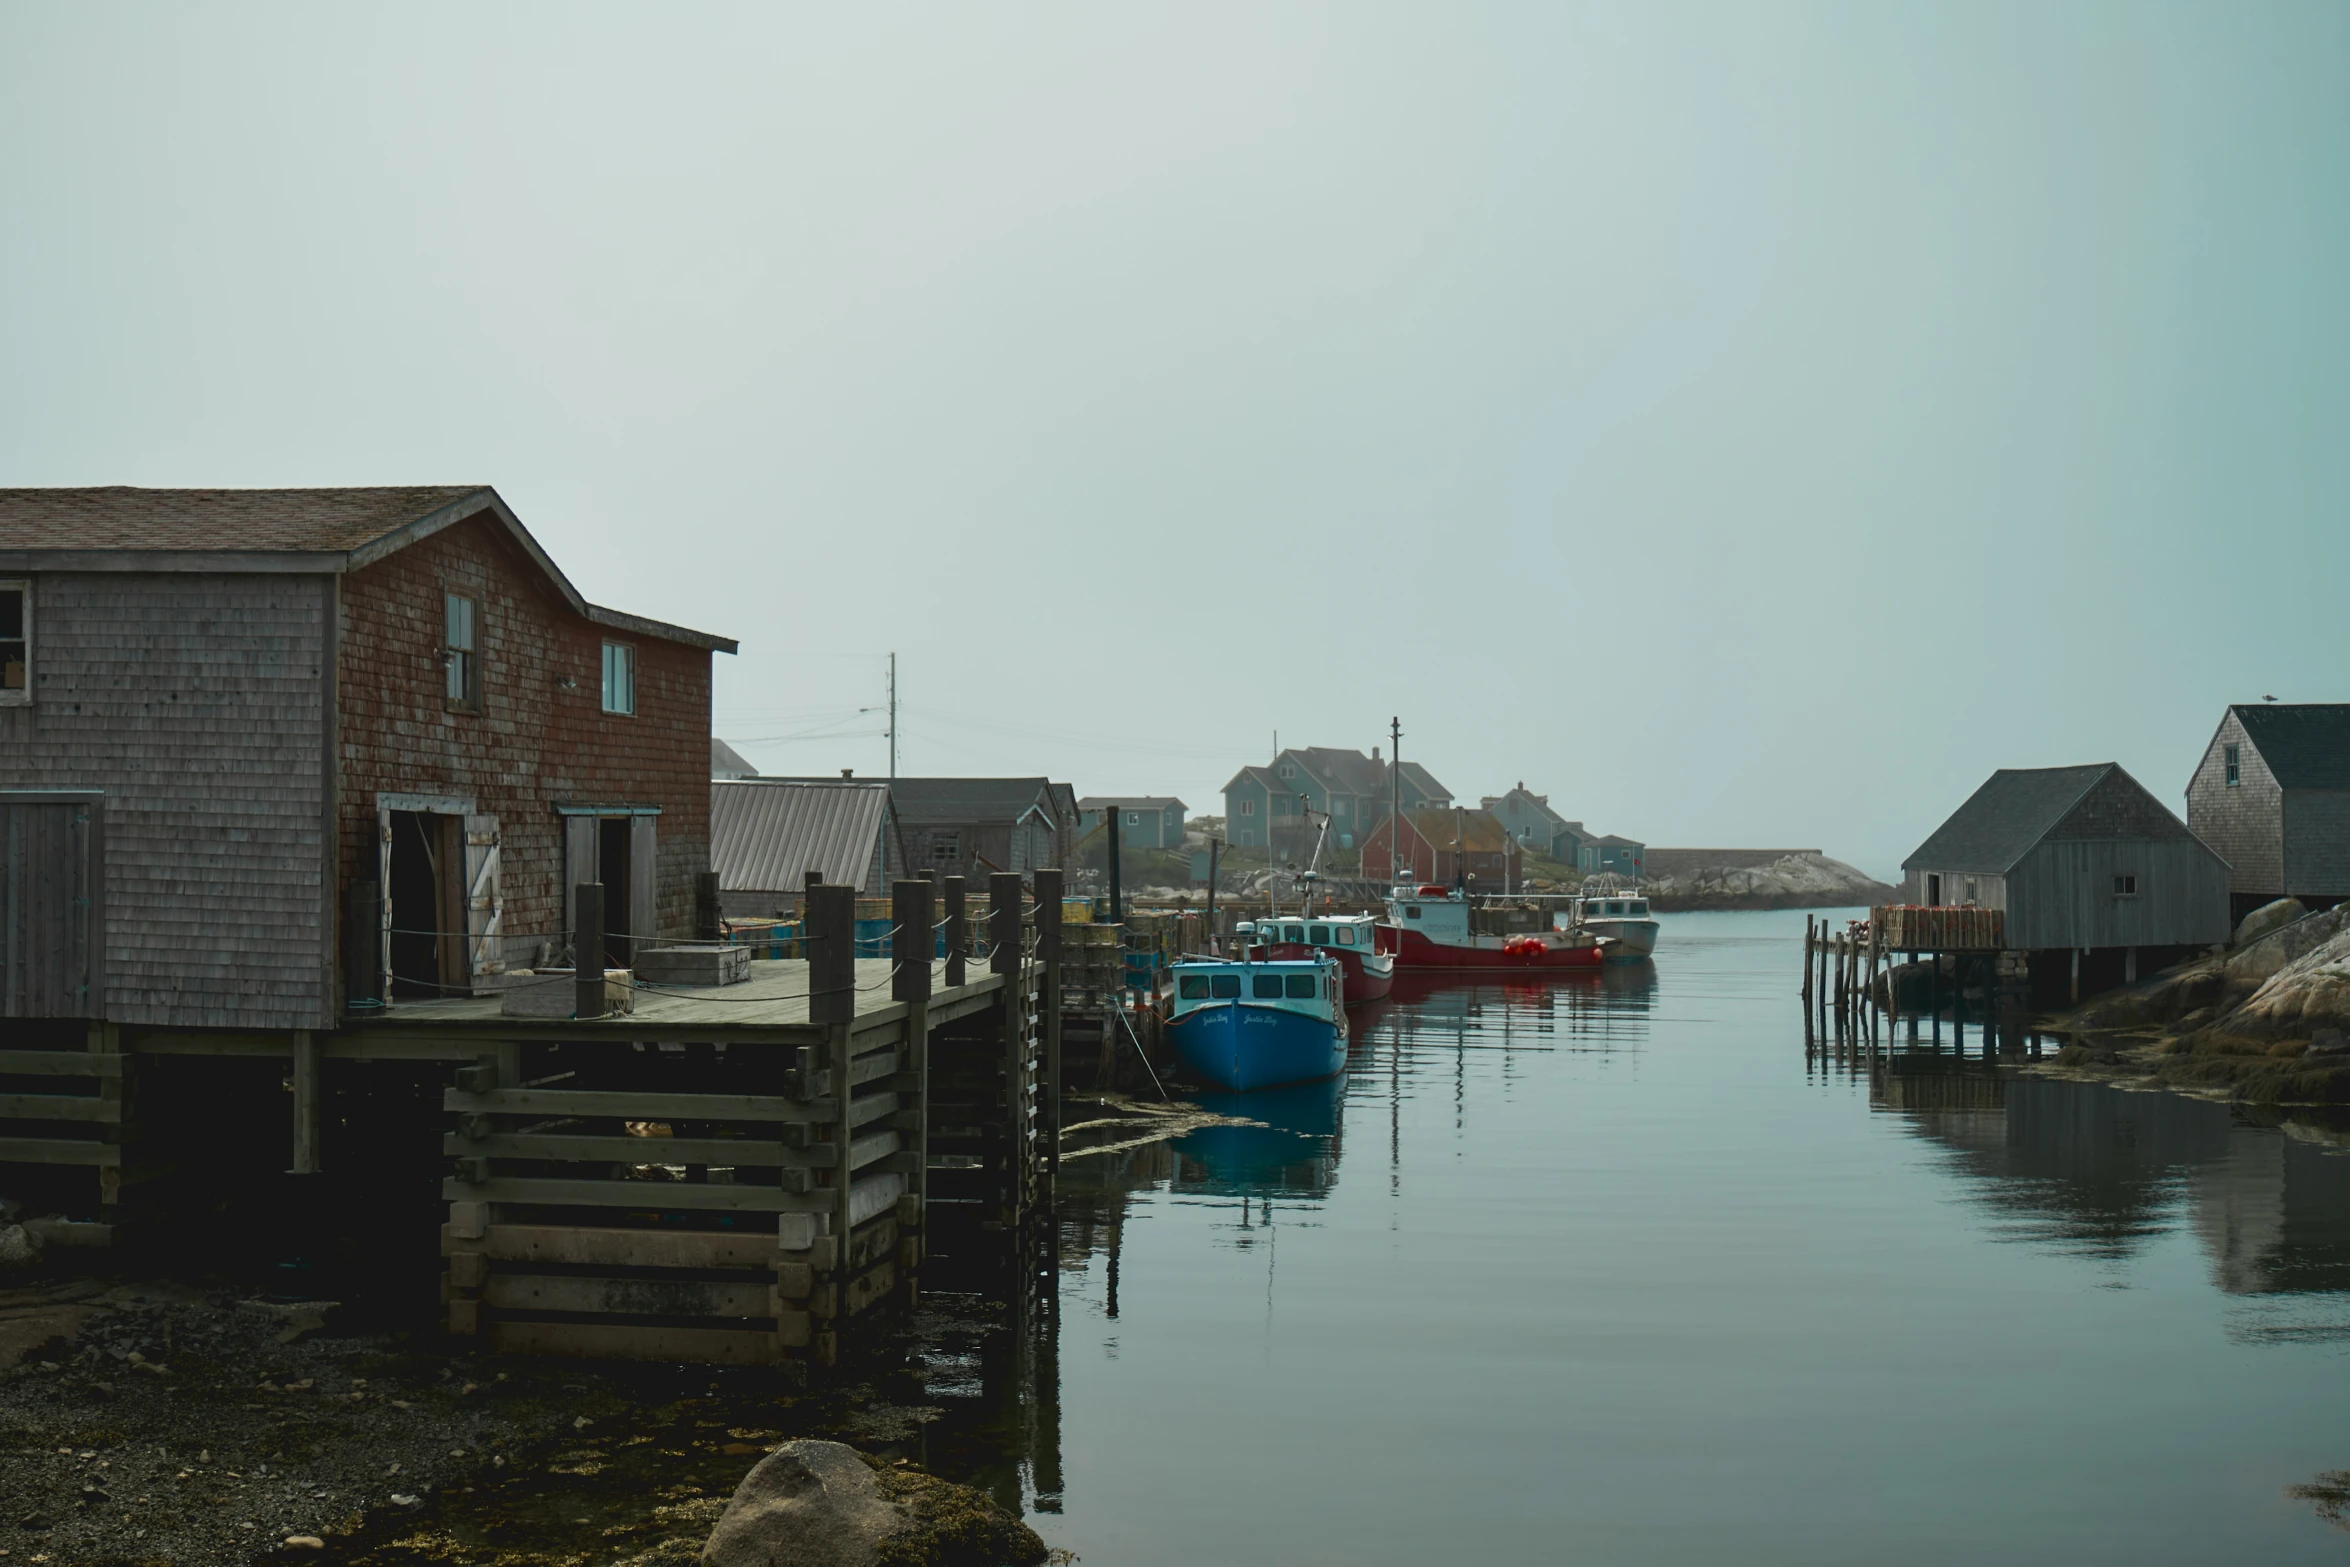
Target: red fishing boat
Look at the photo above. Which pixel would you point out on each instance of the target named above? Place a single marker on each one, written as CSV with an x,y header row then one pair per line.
x,y
1364,948
1435,934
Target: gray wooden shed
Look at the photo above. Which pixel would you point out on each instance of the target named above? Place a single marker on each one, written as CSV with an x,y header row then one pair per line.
x,y
2078,857
2272,794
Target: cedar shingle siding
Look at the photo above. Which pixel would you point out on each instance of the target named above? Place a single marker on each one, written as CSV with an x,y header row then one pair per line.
x,y
533,745
180,668
192,702
2284,827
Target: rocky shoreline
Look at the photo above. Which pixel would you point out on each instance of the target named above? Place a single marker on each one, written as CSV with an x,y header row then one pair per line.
x,y
153,1421
1803,880
2264,1020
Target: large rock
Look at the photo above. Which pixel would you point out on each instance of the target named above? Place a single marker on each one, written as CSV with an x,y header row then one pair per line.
x,y
2264,957
2268,917
2309,994
821,1504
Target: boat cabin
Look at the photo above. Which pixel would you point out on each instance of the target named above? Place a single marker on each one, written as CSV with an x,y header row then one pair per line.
x,y
1331,932
1616,908
1308,985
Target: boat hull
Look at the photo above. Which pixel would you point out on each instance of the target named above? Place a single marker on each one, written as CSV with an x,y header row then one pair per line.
x,y
1420,955
1241,1047
1634,939
1369,975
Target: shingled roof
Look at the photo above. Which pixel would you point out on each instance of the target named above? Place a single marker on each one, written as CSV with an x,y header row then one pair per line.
x,y
2014,809
121,528
2305,744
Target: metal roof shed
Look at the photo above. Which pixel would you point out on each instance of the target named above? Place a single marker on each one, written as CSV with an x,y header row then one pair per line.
x,y
767,834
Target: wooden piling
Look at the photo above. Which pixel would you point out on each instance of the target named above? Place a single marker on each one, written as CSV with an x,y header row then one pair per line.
x,y
587,955
913,941
1048,954
958,930
306,1102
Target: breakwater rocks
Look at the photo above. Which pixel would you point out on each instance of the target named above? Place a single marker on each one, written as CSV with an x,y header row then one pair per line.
x,y
1796,879
2265,1018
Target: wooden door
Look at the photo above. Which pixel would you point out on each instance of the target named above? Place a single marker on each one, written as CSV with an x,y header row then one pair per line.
x,y
52,905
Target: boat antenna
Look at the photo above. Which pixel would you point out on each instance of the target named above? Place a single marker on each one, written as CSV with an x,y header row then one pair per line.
x,y
1394,799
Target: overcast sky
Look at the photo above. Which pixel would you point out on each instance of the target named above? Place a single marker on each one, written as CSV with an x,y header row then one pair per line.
x,y
1749,424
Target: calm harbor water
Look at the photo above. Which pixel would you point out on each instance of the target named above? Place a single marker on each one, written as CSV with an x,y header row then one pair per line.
x,y
1613,1272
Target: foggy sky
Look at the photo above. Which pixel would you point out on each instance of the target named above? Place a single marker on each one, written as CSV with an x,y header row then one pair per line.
x,y
1750,424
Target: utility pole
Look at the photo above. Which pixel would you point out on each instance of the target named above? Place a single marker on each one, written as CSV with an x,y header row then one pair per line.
x,y
893,718
1394,797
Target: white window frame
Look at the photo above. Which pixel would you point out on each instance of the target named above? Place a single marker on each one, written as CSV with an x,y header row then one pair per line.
x,y
626,707
2125,884
461,665
1248,807
23,698
2231,759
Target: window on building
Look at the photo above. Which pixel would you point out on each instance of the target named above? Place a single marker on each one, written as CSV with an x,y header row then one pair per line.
x,y
1288,771
1970,889
1248,807
2125,886
1338,806
2235,756
1134,818
619,678
461,654
16,642
946,847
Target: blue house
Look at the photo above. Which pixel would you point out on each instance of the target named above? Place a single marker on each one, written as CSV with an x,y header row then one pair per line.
x,y
1528,818
1622,856
1144,821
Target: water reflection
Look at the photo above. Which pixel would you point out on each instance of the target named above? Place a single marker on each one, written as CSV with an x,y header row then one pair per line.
x,y
1599,1210
2096,1171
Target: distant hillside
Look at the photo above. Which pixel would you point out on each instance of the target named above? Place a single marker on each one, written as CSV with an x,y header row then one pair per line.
x,y
1683,879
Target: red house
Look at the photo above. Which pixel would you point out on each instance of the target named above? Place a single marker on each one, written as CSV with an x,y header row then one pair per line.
x,y
1439,845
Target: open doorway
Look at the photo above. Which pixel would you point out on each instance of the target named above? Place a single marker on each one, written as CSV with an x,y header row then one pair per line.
x,y
427,904
612,867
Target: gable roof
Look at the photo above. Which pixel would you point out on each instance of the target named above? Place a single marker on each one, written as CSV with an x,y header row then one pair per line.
x,y
1480,832
767,834
1127,802
1349,772
122,528
2014,809
2305,744
1526,799
1262,777
727,762
951,801
1425,781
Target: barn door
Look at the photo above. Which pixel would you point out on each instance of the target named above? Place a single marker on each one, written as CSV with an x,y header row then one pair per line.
x,y
52,925
579,864
485,898
643,905
383,882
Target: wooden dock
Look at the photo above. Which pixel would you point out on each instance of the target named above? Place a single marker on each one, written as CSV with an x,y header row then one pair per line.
x,y
730,1173
1913,967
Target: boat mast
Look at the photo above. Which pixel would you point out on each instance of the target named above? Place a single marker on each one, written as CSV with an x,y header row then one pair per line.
x,y
1394,798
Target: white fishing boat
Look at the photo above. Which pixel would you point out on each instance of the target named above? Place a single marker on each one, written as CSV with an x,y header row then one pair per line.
x,y
1619,913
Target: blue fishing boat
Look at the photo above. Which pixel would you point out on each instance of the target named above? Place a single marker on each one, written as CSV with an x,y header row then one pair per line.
x,y
1248,1025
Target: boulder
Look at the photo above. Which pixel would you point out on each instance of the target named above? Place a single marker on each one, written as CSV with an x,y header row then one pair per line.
x,y
2268,917
822,1504
2262,958
2306,996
